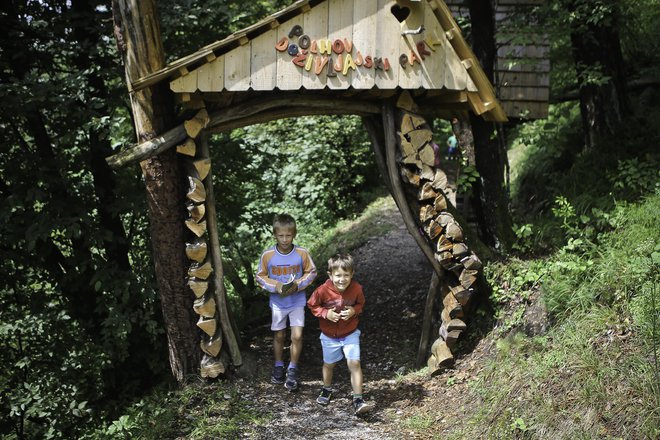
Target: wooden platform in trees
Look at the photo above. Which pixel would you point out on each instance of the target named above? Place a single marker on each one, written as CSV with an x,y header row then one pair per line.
x,y
522,67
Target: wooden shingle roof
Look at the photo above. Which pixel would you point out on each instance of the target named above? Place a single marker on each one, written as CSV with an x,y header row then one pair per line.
x,y
341,45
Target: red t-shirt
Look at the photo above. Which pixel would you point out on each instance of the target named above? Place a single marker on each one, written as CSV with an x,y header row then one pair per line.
x,y
327,297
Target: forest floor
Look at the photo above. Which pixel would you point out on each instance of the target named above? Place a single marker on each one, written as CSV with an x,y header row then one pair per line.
x,y
407,402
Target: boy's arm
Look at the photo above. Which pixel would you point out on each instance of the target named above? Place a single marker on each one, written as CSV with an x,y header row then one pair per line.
x,y
261,276
314,304
359,301
309,271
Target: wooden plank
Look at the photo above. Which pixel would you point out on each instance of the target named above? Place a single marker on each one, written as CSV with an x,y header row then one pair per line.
x,y
263,65
523,65
185,84
455,73
388,33
434,65
218,76
526,110
237,69
340,26
364,41
316,27
289,76
523,79
526,51
524,93
204,77
410,76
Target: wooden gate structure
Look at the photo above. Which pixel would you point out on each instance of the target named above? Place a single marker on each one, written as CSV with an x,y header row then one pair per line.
x,y
396,63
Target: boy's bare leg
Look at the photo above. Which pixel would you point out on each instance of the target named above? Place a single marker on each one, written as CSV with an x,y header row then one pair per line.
x,y
296,343
279,337
356,375
328,369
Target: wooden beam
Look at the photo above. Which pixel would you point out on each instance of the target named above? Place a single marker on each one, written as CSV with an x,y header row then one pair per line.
x,y
147,149
434,288
247,113
230,336
389,127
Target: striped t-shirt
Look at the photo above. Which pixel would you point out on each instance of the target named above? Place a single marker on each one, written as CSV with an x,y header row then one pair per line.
x,y
275,266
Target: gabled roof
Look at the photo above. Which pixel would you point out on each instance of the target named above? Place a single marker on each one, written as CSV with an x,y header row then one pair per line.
x,y
322,45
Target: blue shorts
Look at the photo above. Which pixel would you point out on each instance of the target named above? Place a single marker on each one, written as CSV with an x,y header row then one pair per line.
x,y
335,349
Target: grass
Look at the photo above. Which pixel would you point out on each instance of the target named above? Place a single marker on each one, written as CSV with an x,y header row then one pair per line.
x,y
594,375
200,410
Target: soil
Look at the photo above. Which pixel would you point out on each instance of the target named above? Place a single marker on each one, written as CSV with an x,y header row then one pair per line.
x,y
395,276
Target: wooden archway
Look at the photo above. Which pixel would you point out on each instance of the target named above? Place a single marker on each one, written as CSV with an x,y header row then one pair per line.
x,y
223,86
403,146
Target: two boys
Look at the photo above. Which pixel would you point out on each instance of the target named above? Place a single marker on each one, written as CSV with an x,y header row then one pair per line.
x,y
285,270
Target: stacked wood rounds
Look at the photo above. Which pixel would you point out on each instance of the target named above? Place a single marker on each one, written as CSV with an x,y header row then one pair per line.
x,y
421,170
197,247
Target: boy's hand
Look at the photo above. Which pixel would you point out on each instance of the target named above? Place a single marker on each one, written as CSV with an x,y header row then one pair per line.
x,y
278,287
332,315
347,313
292,289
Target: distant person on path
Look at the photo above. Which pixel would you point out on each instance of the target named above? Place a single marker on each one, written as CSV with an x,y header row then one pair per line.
x,y
338,303
452,147
285,270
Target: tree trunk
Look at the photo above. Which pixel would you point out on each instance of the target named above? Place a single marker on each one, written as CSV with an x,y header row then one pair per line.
x,y
137,31
490,199
600,70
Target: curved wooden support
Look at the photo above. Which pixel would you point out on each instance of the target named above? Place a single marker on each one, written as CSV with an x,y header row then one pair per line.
x,y
218,274
389,127
434,289
431,194
375,129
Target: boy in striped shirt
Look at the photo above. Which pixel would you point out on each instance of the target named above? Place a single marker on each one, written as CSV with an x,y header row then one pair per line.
x,y
285,270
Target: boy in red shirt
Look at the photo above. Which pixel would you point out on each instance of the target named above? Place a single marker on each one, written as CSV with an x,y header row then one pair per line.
x,y
338,303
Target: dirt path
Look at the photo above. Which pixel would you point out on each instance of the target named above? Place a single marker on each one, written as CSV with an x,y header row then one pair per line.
x,y
395,276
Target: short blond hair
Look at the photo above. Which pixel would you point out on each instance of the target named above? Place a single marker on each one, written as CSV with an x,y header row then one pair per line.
x,y
284,221
341,261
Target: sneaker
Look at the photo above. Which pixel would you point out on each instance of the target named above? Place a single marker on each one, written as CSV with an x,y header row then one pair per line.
x,y
360,406
278,375
324,396
291,383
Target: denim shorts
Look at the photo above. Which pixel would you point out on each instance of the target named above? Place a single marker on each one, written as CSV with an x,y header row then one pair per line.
x,y
335,349
279,316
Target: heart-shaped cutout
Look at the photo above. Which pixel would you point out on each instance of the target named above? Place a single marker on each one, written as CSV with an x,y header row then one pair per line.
x,y
400,12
